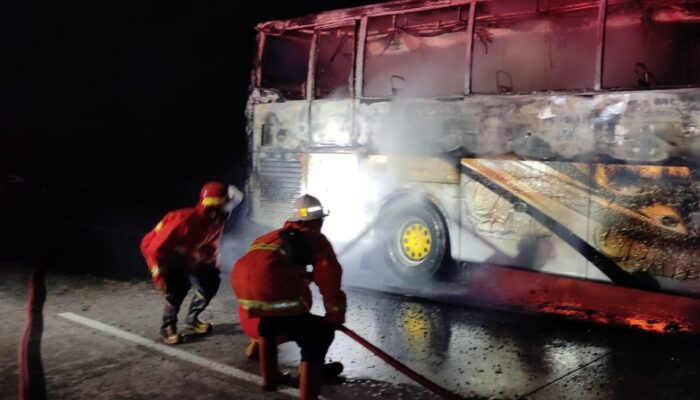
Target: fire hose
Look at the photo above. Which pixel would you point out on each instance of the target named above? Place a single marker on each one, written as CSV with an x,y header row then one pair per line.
x,y
425,382
31,384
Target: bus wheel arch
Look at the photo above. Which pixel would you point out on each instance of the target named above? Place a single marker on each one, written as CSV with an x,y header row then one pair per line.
x,y
413,237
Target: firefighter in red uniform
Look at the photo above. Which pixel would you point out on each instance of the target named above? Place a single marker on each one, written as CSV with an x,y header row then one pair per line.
x,y
271,283
183,250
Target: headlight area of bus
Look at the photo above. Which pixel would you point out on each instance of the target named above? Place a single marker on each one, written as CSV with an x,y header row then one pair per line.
x,y
344,188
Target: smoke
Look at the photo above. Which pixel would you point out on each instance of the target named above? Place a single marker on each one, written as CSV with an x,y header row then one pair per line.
x,y
239,233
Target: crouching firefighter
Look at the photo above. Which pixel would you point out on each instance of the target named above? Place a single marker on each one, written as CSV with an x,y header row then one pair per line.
x,y
271,283
183,250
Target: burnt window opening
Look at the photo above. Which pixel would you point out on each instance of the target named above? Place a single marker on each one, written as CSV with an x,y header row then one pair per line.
x,y
266,137
416,54
285,63
334,63
651,43
525,46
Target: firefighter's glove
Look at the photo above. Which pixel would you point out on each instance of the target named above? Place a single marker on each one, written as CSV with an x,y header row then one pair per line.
x,y
335,319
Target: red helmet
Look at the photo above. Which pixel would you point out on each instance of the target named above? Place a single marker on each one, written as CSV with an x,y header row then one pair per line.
x,y
217,194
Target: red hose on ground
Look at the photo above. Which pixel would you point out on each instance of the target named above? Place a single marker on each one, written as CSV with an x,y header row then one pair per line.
x,y
31,372
427,383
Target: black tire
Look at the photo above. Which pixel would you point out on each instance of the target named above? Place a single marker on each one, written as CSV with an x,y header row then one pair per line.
x,y
415,240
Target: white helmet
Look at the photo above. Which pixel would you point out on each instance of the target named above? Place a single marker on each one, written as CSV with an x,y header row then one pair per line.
x,y
308,208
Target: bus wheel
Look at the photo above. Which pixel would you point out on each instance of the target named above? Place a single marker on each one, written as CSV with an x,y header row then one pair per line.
x,y
415,240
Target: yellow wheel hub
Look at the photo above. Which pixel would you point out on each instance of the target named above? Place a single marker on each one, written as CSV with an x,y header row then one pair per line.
x,y
416,241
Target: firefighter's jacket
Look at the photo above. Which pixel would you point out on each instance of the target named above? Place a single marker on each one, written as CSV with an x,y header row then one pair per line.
x,y
184,240
268,284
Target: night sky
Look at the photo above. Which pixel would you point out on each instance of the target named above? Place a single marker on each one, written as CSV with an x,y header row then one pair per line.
x,y
113,113
128,101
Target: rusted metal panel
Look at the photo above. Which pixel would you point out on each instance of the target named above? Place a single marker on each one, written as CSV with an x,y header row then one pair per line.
x,y
332,123
278,138
281,126
257,72
412,168
310,70
635,127
332,18
638,127
470,47
277,179
600,43
360,59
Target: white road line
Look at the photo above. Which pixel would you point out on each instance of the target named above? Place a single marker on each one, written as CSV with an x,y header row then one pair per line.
x,y
172,352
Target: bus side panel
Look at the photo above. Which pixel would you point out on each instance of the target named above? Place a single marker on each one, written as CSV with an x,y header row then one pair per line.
x,y
496,209
639,219
548,216
280,141
332,123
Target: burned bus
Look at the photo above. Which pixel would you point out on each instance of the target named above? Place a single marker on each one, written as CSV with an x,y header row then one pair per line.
x,y
560,136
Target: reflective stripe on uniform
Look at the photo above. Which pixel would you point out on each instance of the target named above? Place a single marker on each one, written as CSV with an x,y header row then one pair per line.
x,y
264,246
213,201
269,305
159,226
154,270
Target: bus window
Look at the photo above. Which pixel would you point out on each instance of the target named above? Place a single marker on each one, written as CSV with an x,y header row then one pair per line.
x,y
285,63
416,54
334,63
522,47
651,43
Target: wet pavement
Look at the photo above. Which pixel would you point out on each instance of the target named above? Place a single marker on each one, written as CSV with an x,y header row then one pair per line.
x,y
477,352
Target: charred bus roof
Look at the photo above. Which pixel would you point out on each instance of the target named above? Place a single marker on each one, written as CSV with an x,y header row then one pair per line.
x,y
691,13
345,15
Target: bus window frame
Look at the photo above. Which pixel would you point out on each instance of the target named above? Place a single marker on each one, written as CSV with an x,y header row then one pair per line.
x,y
470,30
311,83
258,72
360,40
354,24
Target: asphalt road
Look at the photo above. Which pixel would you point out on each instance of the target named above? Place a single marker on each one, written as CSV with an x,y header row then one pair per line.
x,y
478,353
101,342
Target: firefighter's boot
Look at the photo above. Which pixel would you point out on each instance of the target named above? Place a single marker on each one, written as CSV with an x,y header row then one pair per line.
x,y
310,379
331,371
199,303
171,335
252,350
168,329
269,368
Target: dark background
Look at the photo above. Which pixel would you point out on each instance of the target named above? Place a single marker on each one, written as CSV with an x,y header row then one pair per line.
x,y
112,113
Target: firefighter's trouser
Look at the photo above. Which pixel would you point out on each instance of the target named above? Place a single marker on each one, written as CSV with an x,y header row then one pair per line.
x,y
206,283
309,331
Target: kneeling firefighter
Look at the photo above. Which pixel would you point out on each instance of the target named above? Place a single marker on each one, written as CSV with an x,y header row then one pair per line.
x,y
272,284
